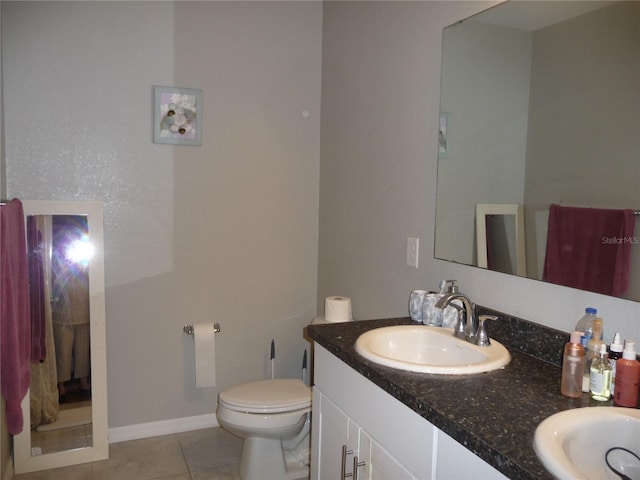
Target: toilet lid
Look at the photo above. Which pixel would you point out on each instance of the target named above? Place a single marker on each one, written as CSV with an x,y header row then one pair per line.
x,y
267,396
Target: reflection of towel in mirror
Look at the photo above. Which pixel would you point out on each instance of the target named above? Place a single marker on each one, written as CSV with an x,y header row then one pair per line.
x,y
589,248
14,315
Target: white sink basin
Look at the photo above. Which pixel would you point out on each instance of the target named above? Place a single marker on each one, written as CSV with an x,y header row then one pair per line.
x,y
573,444
421,348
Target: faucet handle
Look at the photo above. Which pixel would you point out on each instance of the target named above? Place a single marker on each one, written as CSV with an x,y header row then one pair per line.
x,y
482,339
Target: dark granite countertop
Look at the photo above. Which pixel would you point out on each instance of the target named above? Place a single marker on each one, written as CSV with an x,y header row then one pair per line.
x,y
493,414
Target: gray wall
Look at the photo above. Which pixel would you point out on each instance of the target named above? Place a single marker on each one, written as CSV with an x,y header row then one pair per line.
x,y
380,92
491,110
223,232
231,239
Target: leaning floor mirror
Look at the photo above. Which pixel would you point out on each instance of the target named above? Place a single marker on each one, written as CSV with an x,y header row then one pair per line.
x,y
65,409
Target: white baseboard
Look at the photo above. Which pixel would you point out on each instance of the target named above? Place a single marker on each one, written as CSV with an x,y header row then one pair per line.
x,y
163,427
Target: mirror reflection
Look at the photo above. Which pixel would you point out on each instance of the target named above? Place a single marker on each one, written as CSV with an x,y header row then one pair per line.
x,y
66,406
500,244
500,238
59,250
542,110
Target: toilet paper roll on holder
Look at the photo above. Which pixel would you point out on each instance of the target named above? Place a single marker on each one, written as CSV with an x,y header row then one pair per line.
x,y
188,329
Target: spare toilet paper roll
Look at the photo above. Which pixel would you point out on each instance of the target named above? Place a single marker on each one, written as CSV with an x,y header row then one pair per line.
x,y
204,339
337,309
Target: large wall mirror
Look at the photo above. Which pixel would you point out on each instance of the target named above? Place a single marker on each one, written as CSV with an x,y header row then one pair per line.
x,y
66,406
541,104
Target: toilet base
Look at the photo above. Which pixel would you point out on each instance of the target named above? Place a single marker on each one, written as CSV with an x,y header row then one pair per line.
x,y
264,459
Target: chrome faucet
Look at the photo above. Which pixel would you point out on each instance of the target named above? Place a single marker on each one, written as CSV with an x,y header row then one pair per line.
x,y
460,325
468,320
468,326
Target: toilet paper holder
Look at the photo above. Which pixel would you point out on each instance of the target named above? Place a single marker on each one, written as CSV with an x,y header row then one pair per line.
x,y
188,329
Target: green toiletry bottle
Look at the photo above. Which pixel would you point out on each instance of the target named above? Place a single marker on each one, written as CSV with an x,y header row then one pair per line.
x,y
600,383
592,351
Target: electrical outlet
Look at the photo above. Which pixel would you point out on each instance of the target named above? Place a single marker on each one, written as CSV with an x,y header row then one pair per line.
x,y
412,252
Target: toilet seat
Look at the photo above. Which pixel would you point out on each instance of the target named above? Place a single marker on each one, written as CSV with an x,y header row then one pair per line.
x,y
267,396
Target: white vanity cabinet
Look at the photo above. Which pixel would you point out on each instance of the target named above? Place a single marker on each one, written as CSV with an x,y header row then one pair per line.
x,y
341,447
375,463
387,437
455,462
388,440
337,439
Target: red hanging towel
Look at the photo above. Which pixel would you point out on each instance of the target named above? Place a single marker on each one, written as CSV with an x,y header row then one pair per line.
x,y
589,248
15,328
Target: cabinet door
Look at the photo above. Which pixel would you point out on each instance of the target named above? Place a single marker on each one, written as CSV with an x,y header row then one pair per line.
x,y
455,462
377,463
332,429
408,437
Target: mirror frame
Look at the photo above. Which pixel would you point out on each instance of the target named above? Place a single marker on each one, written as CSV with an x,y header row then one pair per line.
x,y
24,462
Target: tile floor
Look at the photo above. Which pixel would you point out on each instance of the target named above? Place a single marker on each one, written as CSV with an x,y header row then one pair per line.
x,y
208,454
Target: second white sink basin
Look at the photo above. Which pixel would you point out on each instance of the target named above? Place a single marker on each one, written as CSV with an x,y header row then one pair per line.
x,y
573,444
426,349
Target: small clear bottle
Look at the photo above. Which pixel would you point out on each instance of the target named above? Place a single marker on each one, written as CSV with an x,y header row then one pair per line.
x,y
573,367
592,351
585,325
615,353
600,384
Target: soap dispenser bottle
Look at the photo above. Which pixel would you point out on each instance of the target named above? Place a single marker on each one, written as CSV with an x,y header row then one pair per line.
x,y
627,377
573,367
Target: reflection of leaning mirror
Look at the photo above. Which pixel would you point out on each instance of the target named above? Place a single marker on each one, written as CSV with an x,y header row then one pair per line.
x,y
500,238
66,406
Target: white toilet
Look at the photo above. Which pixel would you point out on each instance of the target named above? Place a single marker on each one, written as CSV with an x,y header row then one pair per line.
x,y
273,418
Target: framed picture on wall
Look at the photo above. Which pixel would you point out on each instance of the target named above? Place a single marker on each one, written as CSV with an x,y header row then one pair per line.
x,y
177,115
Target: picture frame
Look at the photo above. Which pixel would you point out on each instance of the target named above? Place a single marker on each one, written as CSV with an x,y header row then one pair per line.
x,y
177,115
443,140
